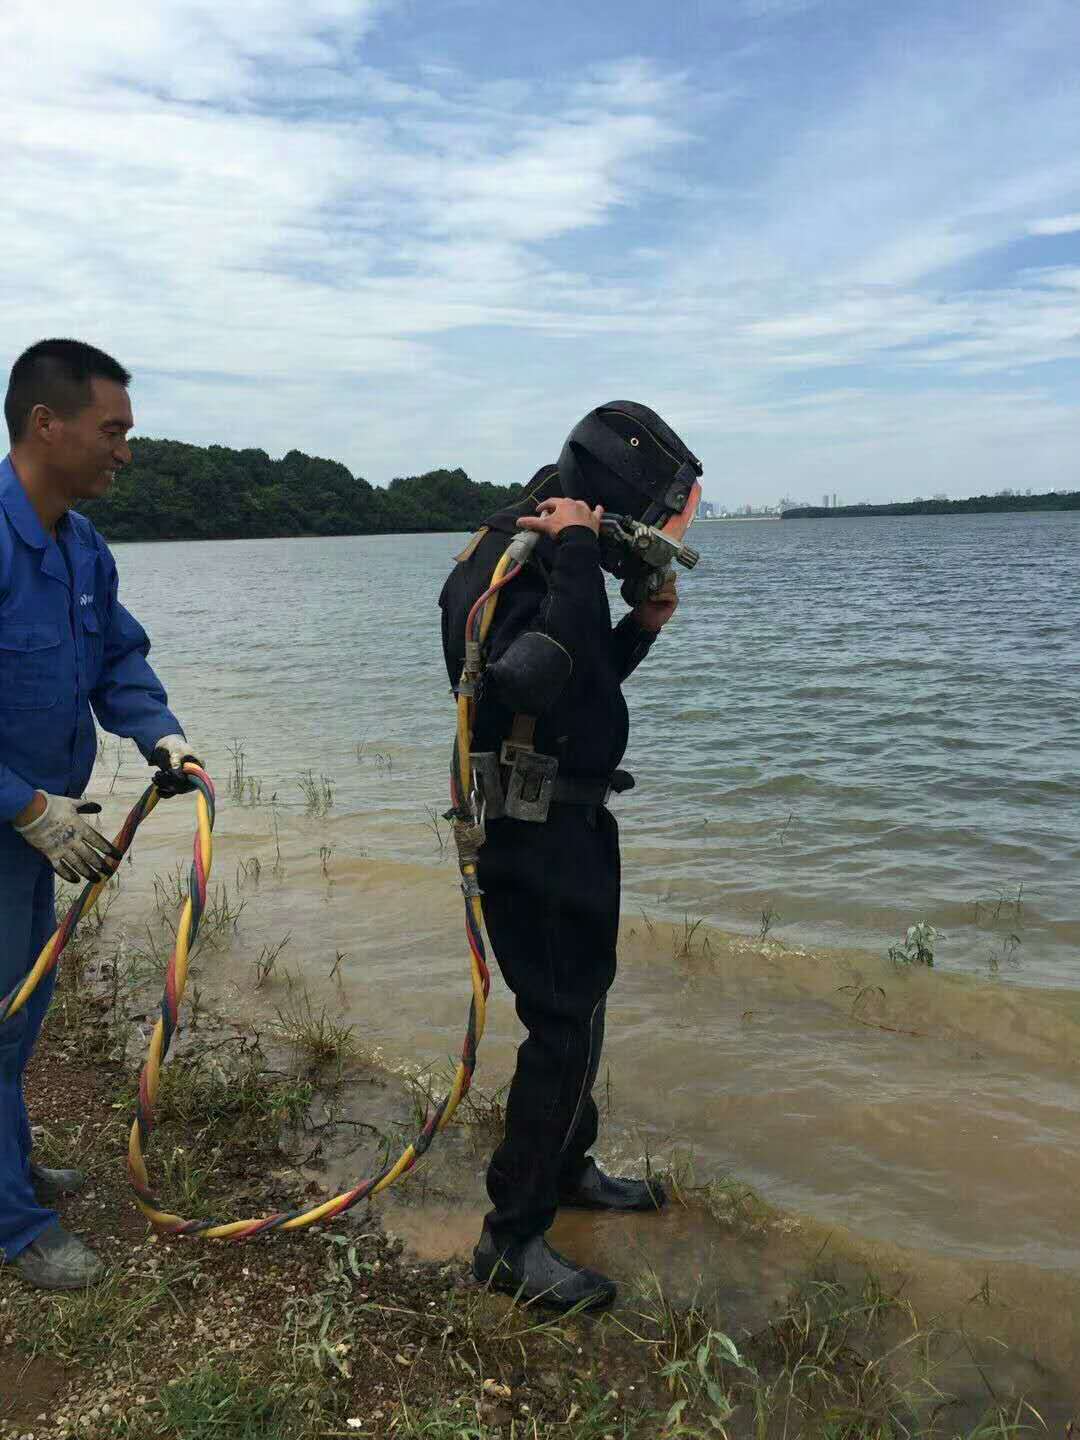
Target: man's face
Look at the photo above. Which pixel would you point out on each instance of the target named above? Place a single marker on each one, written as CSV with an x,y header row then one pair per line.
x,y
87,449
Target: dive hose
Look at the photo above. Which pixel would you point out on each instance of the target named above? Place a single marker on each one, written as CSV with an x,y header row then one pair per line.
x,y
468,827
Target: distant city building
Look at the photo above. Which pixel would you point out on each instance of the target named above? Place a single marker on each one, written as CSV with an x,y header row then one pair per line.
x,y
707,510
824,502
834,500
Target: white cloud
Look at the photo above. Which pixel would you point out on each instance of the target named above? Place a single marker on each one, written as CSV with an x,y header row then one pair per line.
x,y
194,50
1060,225
258,246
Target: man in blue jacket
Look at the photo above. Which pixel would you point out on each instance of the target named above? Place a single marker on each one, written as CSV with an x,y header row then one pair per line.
x,y
67,646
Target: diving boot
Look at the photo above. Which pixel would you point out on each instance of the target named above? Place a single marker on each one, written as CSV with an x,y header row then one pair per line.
x,y
593,1190
57,1261
532,1270
49,1185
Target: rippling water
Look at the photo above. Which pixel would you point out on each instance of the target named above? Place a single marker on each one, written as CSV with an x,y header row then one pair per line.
x,y
851,725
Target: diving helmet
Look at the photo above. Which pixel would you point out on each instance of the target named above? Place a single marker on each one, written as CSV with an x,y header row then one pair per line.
x,y
624,457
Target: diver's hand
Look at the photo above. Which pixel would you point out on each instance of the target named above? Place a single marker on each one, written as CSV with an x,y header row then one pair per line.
x,y
654,613
168,756
74,849
561,514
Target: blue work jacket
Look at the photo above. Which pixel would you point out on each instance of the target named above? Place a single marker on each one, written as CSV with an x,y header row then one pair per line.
x,y
67,646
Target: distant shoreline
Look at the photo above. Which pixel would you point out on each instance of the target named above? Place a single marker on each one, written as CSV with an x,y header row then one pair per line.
x,y
976,505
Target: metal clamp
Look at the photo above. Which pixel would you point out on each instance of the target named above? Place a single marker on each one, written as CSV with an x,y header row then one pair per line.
x,y
487,792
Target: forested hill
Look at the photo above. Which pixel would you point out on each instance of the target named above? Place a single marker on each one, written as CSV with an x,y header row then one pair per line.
x,y
173,491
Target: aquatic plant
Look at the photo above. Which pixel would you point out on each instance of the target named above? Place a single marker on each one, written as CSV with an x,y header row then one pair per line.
x,y
267,959
318,794
918,946
245,789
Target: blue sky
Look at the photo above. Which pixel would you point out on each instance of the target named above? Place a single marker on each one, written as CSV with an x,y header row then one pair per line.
x,y
835,242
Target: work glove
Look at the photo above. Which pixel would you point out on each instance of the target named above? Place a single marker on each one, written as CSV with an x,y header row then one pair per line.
x,y
169,755
74,849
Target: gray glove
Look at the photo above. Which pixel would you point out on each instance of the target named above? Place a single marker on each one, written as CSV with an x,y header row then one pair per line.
x,y
74,849
168,755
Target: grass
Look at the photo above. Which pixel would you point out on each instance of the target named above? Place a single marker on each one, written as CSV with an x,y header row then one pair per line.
x,y
737,1206
216,1094
118,766
220,919
266,959
684,942
221,1401
317,1036
248,872
185,1179
244,788
690,1356
1003,906
836,1363
92,924
435,825
83,1327
318,794
78,1144
480,1110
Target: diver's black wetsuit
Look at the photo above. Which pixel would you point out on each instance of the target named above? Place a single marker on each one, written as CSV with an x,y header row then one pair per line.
x,y
551,890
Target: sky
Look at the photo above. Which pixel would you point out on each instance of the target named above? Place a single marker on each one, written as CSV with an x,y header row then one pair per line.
x,y
836,243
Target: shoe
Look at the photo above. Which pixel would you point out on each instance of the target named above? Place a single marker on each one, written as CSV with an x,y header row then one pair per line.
x,y
593,1190
49,1185
57,1261
532,1270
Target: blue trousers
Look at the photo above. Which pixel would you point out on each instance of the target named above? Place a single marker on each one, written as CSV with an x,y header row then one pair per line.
x,y
27,919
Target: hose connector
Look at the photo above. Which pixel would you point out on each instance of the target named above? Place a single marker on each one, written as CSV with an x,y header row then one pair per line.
x,y
522,546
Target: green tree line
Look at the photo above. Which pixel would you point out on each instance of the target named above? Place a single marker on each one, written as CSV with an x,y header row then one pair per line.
x,y
975,505
173,491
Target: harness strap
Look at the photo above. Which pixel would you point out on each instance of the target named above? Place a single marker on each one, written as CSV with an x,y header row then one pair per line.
x,y
523,731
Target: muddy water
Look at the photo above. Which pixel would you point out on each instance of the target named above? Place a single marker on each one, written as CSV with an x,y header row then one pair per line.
x,y
860,728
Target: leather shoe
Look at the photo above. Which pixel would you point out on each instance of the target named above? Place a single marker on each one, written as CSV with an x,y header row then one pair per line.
x,y
57,1261
532,1270
593,1190
49,1185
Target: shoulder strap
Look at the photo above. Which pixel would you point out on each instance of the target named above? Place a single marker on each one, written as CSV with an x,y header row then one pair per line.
x,y
470,548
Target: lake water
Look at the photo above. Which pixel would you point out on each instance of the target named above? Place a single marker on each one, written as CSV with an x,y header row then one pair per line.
x,y
849,727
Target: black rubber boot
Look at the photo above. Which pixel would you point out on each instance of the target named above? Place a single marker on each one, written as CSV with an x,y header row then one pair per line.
x,y
57,1261
532,1270
593,1190
49,1185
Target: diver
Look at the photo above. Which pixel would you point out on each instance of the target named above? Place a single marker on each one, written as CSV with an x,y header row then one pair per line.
x,y
551,727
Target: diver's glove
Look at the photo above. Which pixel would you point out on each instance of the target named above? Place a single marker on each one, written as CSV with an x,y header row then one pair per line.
x,y
169,755
74,849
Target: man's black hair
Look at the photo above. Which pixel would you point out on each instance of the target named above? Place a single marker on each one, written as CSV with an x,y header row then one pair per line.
x,y
56,373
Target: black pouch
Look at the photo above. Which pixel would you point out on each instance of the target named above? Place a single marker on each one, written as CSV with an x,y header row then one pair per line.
x,y
530,674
